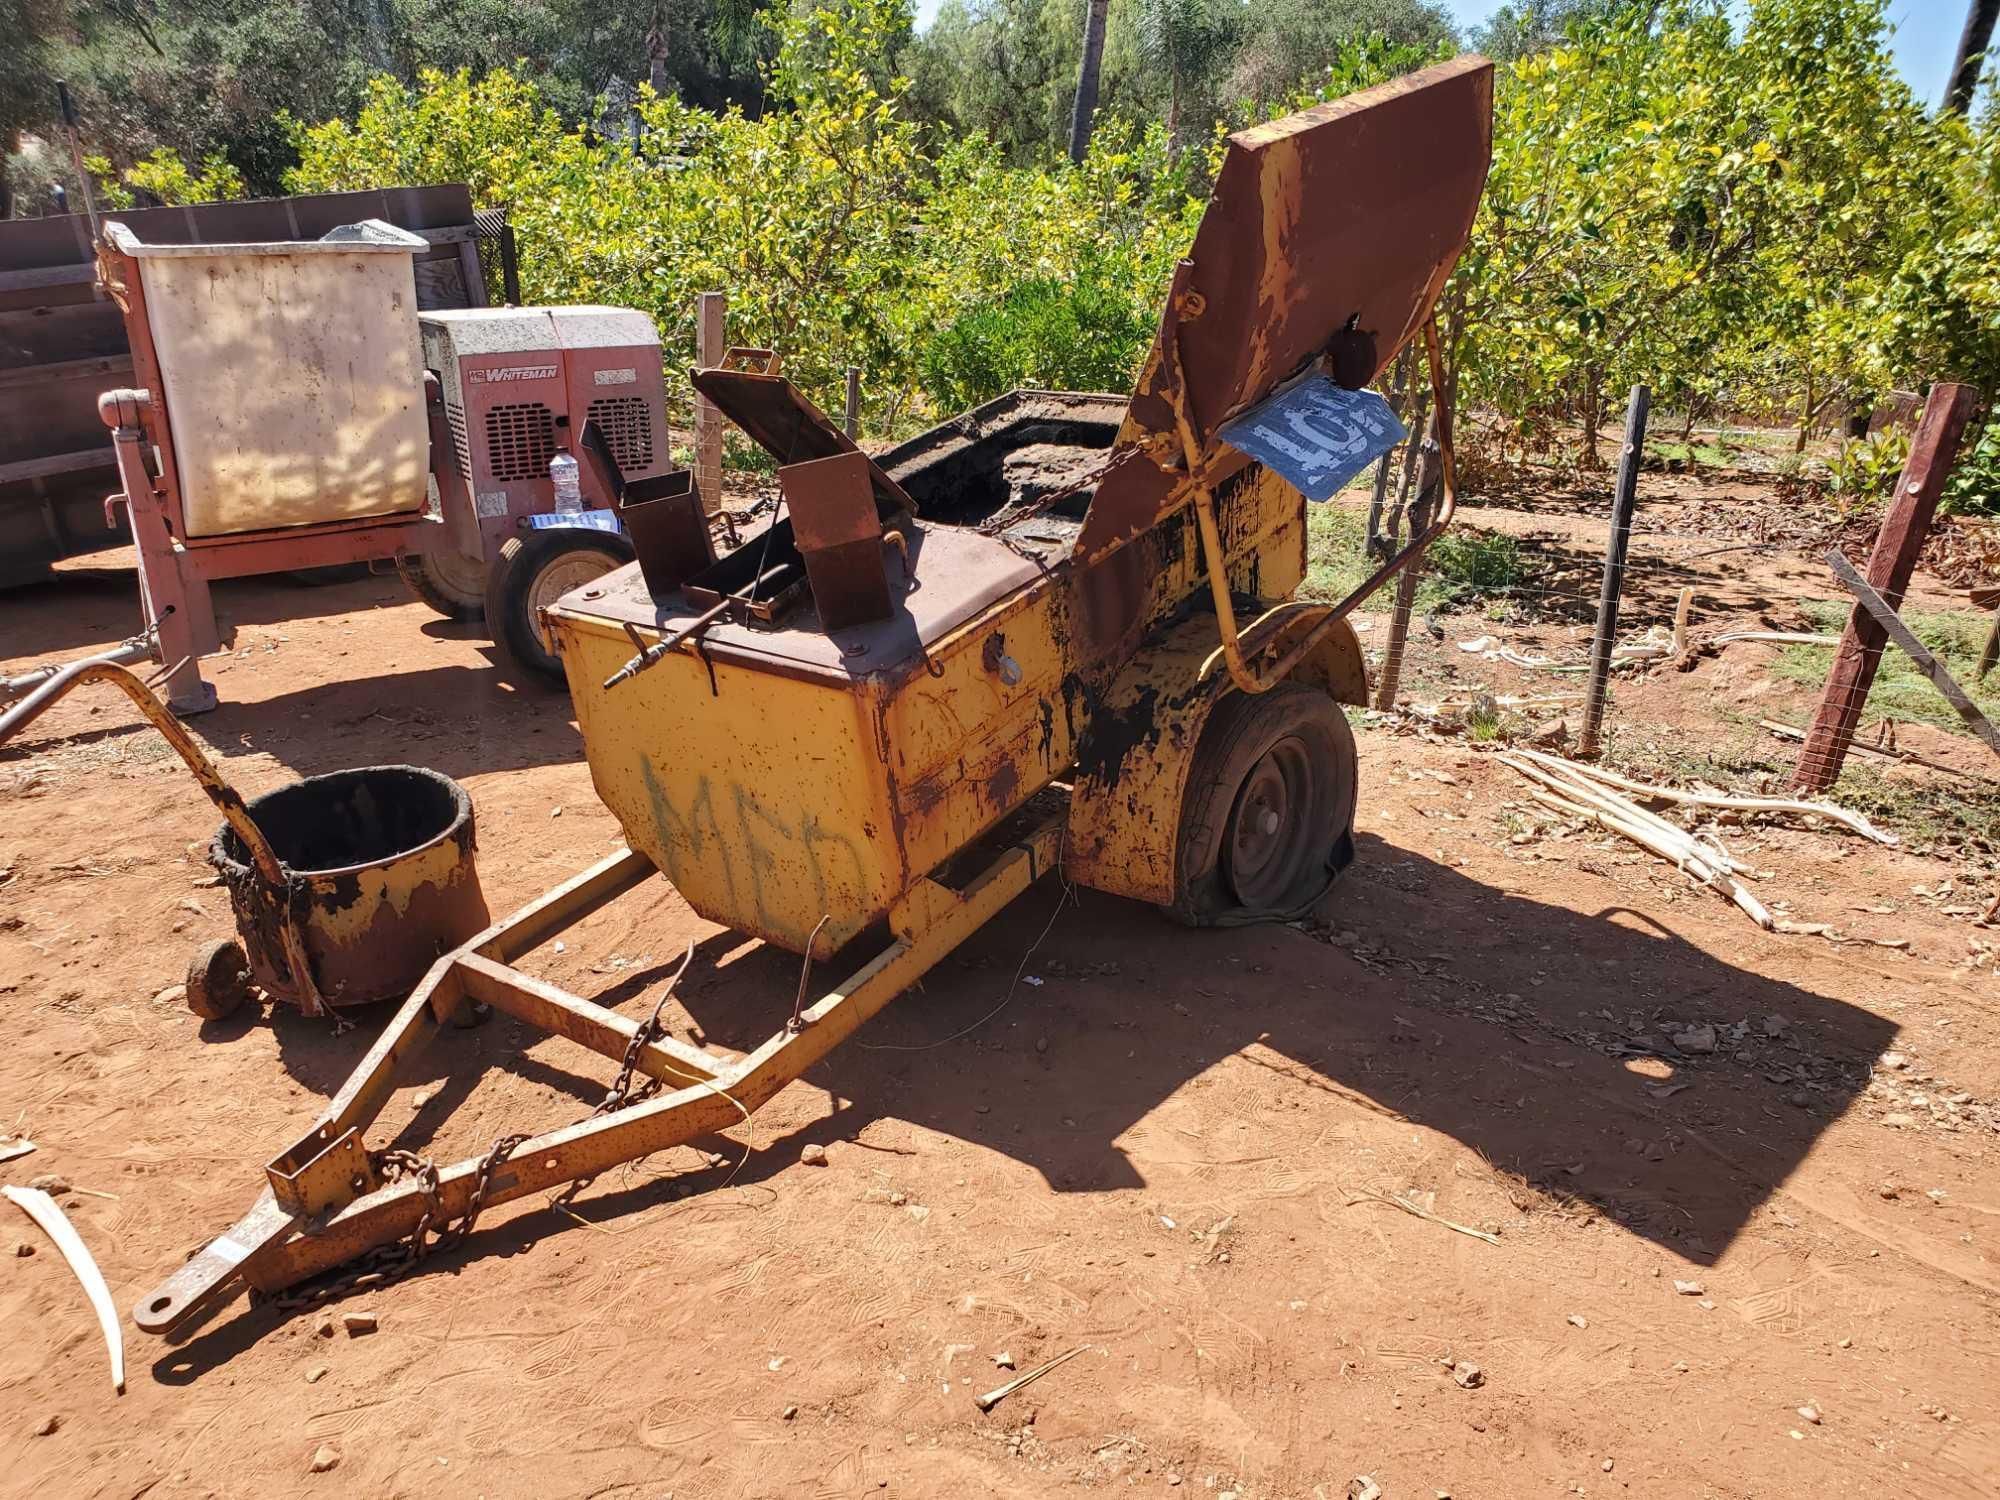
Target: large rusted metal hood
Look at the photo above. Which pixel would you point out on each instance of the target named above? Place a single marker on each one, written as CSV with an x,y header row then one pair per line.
x,y
1329,234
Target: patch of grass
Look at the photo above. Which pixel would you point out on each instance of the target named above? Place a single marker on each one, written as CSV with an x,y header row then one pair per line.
x,y
1465,567
741,455
1934,815
1712,455
1900,691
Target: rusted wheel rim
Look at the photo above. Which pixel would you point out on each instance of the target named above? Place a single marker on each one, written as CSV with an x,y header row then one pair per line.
x,y
566,571
1271,831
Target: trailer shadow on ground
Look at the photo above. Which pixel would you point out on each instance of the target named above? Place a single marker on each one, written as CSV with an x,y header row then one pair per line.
x,y
1534,1035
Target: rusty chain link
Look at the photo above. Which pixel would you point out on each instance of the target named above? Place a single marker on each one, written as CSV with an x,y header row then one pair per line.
x,y
388,1264
621,1088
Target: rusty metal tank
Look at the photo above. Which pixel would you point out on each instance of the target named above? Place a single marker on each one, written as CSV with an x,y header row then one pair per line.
x,y
382,881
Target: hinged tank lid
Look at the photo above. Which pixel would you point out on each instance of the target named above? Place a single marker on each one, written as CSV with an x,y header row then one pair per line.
x,y
781,420
1331,233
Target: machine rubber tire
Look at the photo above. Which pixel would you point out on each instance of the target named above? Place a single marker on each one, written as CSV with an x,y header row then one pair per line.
x,y
455,588
218,979
1267,819
534,570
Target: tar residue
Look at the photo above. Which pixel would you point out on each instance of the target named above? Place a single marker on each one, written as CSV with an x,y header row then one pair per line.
x,y
358,817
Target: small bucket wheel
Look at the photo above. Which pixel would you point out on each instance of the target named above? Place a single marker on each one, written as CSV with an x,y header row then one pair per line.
x,y
218,979
1267,819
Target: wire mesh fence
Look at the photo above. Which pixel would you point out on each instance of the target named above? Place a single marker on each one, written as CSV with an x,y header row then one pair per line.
x,y
1720,556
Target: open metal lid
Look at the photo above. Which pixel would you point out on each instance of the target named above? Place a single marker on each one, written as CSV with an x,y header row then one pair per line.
x,y
1329,234
778,417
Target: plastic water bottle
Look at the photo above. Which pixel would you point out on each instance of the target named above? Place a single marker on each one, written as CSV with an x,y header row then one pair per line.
x,y
569,489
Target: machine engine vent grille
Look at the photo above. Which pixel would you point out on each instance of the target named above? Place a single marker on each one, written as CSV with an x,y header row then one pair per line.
x,y
454,416
627,424
520,441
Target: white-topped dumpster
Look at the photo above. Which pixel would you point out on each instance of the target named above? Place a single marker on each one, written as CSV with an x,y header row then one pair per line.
x,y
292,376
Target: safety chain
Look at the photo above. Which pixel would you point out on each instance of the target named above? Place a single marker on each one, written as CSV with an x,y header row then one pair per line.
x,y
388,1264
621,1089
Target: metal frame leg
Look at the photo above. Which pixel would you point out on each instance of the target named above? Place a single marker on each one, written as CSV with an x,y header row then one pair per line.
x,y
170,591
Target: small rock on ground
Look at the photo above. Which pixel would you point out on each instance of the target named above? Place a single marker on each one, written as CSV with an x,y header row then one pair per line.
x,y
47,1425
325,1459
358,1323
1468,1375
813,1155
1696,1039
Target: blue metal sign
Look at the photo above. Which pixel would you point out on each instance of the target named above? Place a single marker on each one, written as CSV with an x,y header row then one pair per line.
x,y
1316,434
589,520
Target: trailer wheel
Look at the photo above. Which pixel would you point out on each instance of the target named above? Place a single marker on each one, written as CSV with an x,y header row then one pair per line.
x,y
1267,819
218,979
534,571
451,583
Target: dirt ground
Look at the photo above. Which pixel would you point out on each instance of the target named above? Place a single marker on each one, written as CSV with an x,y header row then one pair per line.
x,y
1181,1152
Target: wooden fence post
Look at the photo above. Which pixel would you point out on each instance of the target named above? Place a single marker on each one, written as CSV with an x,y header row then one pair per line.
x,y
853,413
709,347
1897,545
1623,500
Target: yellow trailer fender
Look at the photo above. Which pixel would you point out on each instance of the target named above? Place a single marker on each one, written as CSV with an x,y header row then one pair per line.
x,y
1134,757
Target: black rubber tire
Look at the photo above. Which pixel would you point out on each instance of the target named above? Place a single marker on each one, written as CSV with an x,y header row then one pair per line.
x,y
1294,742
514,579
448,597
218,979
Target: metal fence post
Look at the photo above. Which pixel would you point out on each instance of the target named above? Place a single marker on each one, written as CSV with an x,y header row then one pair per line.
x,y
708,347
1421,465
1901,538
1622,501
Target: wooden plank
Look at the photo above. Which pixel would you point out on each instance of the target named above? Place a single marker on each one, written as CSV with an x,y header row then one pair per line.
x,y
1904,528
709,346
52,464
44,277
1913,648
66,369
603,1031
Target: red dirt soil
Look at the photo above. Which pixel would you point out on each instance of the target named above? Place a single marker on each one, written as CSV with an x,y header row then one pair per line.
x,y
1176,1151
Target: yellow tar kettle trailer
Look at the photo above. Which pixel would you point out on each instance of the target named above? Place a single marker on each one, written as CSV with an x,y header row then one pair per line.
x,y
1054,631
